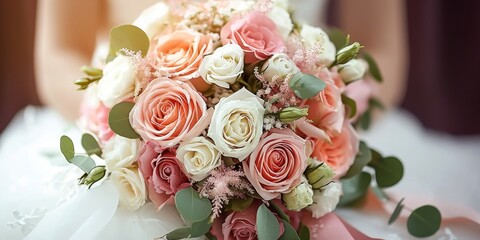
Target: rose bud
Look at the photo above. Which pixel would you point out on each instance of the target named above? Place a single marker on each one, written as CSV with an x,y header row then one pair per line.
x,y
290,114
348,53
318,174
299,198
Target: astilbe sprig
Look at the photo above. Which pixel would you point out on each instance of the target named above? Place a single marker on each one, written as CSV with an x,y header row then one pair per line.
x,y
223,184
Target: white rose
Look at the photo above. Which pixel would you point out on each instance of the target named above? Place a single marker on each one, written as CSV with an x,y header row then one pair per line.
x,y
118,81
239,5
120,152
131,187
353,70
282,19
281,3
153,19
299,198
279,65
326,201
224,66
313,36
199,156
237,124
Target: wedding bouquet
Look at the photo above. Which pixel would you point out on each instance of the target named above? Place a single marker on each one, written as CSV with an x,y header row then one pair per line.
x,y
239,116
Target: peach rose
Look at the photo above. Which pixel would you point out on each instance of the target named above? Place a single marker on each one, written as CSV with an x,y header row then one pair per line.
x,y
162,173
340,153
256,34
167,111
277,164
178,55
326,110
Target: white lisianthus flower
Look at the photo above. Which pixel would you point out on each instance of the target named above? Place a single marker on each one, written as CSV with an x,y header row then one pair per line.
x,y
326,201
199,156
224,66
120,152
312,36
353,70
300,197
131,187
279,65
237,124
153,19
282,19
118,81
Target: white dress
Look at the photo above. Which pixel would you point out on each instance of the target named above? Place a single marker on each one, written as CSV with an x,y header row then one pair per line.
x,y
36,179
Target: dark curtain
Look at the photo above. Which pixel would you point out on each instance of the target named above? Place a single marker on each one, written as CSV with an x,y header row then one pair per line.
x,y
17,85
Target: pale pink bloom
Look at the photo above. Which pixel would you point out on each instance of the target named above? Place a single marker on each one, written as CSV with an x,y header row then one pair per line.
x,y
167,111
96,118
277,164
340,153
256,34
361,91
162,174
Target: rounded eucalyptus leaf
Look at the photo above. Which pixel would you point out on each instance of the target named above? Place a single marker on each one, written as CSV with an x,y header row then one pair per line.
x,y
66,147
129,37
424,221
119,122
388,171
191,206
354,188
364,156
289,232
268,227
396,212
91,145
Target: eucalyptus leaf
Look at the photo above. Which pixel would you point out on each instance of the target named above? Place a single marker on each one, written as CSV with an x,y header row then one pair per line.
x,y
239,204
306,86
66,147
91,145
191,206
364,156
388,171
351,104
119,121
180,233
304,232
201,228
289,232
338,37
268,227
373,67
210,236
375,103
279,211
83,162
354,188
424,221
129,37
365,120
396,212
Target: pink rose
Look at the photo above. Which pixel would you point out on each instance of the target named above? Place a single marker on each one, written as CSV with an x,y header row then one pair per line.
x,y
167,111
340,153
178,56
326,110
277,164
256,34
96,118
360,91
162,173
239,225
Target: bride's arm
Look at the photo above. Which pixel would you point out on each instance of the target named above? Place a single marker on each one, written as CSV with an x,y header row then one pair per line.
x,y
380,25
65,40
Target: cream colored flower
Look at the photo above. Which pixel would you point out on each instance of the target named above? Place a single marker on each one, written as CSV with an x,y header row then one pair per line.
x,y
118,81
313,36
299,198
199,156
282,19
237,124
326,201
120,152
353,70
224,66
278,66
153,19
131,187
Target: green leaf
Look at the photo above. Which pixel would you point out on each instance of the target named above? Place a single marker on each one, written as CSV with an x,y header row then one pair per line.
x,y
66,147
119,122
268,227
210,236
91,71
388,171
338,37
279,211
304,232
180,233
129,37
306,86
363,157
373,67
375,103
191,206
83,162
239,204
201,228
289,232
396,212
90,145
351,105
365,120
424,221
354,188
